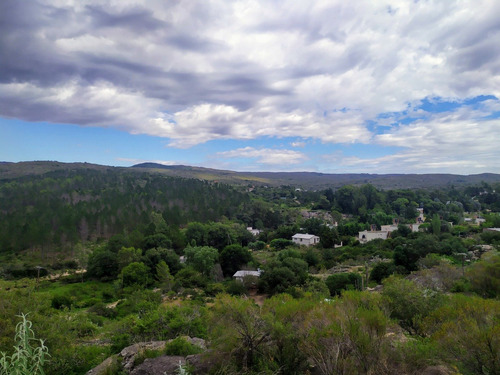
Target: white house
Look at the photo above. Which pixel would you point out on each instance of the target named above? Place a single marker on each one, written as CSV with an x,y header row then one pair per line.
x,y
366,235
305,239
388,228
255,232
240,275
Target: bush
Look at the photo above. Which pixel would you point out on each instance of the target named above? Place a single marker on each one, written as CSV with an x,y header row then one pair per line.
x,y
257,245
280,243
382,270
61,301
236,288
26,359
338,282
180,346
484,275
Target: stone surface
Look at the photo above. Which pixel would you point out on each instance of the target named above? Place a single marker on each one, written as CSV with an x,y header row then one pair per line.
x,y
129,354
165,365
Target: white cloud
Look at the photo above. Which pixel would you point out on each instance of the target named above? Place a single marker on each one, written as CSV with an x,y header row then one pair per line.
x,y
266,156
195,72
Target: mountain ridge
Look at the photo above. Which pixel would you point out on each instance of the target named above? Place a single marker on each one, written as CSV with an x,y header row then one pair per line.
x,y
306,180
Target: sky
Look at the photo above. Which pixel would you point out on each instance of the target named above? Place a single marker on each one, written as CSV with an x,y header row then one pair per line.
x,y
323,86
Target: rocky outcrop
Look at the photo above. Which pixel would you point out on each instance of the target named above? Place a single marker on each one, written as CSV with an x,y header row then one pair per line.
x,y
160,365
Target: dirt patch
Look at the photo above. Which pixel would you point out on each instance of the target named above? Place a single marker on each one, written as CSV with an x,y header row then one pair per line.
x,y
257,298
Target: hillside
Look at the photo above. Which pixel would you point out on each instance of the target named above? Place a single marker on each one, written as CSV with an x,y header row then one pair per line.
x,y
317,181
305,180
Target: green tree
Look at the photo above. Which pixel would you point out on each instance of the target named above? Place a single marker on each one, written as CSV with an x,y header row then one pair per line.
x,y
280,243
136,273
232,258
103,264
127,255
163,276
238,329
381,271
484,275
202,258
436,225
410,303
338,282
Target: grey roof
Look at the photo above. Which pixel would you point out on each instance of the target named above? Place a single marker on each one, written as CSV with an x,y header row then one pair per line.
x,y
304,236
244,273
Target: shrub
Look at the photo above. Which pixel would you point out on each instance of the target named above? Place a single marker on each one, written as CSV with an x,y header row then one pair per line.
x,y
257,245
342,281
61,301
382,270
280,243
236,288
26,359
180,346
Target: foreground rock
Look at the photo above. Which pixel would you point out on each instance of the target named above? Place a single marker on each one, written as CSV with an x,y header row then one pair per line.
x,y
127,359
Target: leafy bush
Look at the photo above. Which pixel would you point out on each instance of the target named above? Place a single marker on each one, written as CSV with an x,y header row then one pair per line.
x,y
61,301
257,245
338,282
180,346
145,354
382,270
236,288
484,275
26,359
280,243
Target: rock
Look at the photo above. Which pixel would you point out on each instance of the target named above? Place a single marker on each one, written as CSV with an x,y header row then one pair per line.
x,y
437,370
200,343
164,365
102,367
130,352
200,364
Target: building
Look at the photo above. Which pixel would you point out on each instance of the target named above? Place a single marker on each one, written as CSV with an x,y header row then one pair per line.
x,y
305,239
255,232
388,228
366,235
494,230
240,275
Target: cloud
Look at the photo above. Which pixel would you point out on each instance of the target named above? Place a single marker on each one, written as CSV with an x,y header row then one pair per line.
x,y
194,72
266,156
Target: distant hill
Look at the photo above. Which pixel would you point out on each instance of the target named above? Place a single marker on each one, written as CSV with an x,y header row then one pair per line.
x,y
305,180
313,180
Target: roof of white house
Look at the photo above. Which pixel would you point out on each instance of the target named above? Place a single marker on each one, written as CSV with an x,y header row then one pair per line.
x,y
244,273
304,236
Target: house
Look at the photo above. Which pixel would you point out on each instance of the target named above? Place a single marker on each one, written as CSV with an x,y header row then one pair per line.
x,y
305,239
255,232
366,235
414,227
240,275
388,228
495,230
421,217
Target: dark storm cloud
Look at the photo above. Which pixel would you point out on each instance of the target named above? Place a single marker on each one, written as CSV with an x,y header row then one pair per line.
x,y
194,71
137,19
25,55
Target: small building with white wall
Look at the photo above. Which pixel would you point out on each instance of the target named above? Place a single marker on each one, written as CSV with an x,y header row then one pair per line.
x,y
255,232
305,239
367,235
240,275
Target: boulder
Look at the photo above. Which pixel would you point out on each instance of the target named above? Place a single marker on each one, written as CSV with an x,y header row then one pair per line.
x,y
164,365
